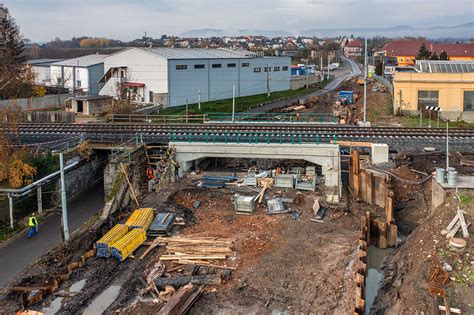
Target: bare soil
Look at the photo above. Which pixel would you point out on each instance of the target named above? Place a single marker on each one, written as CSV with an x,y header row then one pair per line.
x,y
405,288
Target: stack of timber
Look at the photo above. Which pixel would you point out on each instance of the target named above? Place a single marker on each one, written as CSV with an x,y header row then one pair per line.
x,y
102,246
197,250
126,245
140,218
182,300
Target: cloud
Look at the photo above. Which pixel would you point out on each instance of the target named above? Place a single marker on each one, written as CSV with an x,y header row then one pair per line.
x,y
47,19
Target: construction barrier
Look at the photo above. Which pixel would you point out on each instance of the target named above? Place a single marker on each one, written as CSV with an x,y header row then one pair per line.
x,y
125,246
140,218
102,246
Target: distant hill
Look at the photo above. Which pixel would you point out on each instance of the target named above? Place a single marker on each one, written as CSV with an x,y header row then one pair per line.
x,y
462,31
205,33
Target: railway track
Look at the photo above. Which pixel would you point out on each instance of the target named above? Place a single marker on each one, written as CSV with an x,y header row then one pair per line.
x,y
342,132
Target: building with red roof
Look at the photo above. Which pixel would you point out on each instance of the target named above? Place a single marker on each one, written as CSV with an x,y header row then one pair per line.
x,y
353,49
406,50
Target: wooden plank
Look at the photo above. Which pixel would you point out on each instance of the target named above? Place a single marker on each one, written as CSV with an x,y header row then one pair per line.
x,y
149,249
190,257
129,184
451,309
465,232
354,144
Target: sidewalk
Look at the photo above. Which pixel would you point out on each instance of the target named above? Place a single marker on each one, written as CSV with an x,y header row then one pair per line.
x,y
21,252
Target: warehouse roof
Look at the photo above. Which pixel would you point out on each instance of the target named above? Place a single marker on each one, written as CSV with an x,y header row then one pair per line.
x,y
442,66
42,62
199,53
84,61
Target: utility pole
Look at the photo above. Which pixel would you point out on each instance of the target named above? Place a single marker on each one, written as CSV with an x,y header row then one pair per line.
x,y
329,60
365,83
307,76
186,110
199,99
233,103
321,73
64,221
268,80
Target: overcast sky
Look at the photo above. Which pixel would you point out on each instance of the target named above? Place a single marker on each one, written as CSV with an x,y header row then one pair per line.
x,y
43,20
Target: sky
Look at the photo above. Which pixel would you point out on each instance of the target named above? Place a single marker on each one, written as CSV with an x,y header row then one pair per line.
x,y
44,20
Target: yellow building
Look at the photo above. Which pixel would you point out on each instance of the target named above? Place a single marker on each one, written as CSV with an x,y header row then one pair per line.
x,y
445,84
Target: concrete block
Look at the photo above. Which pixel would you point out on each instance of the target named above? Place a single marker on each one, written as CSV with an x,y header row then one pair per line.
x,y
379,153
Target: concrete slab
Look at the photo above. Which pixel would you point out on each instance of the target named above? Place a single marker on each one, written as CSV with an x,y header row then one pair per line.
x,y
464,182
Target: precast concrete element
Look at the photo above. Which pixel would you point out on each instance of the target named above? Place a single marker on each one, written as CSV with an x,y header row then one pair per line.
x,y
326,155
379,153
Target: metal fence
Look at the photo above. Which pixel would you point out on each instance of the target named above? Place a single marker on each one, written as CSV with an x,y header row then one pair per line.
x,y
225,117
253,117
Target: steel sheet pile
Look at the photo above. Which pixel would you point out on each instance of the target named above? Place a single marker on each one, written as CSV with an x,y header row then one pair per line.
x,y
125,246
103,245
140,218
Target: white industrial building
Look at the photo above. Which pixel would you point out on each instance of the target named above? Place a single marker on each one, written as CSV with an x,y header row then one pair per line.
x,y
80,74
171,77
42,70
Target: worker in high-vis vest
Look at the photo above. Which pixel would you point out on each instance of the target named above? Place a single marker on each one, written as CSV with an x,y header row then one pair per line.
x,y
33,224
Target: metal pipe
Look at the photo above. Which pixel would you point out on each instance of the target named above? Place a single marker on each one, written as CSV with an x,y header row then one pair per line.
x,y
64,220
26,189
10,202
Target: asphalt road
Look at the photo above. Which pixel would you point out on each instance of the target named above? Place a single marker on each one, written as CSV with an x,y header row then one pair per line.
x,y
20,253
349,70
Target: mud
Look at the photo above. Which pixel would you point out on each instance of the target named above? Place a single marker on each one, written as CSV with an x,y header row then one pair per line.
x,y
405,288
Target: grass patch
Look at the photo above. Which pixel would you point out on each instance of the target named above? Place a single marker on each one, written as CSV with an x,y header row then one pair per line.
x,y
414,121
243,103
465,199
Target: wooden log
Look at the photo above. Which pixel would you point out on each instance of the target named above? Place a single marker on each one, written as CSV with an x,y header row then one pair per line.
x,y
149,249
205,264
177,282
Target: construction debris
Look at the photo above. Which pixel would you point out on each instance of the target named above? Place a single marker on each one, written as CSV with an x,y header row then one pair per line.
x,y
458,222
182,300
179,281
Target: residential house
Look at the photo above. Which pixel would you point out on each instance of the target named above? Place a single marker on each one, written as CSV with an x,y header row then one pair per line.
x,y
42,70
353,48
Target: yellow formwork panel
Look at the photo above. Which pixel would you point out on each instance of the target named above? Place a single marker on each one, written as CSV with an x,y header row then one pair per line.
x,y
140,218
125,246
104,243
